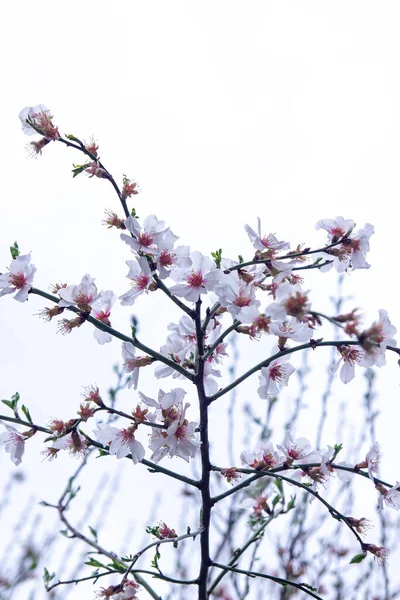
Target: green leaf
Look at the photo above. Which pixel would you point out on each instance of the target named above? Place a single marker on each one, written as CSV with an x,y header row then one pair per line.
x,y
26,412
92,562
276,500
133,331
337,448
116,566
93,532
240,259
279,485
217,256
71,137
102,453
77,169
358,558
14,249
8,403
134,214
47,577
291,503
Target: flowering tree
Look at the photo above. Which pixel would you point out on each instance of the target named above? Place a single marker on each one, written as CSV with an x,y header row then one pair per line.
x,y
220,299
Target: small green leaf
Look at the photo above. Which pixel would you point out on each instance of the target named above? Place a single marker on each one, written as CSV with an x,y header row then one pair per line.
x,y
14,249
77,169
71,137
93,532
276,500
92,562
240,259
358,558
279,485
133,331
134,214
291,503
47,577
102,453
26,412
337,448
116,566
217,256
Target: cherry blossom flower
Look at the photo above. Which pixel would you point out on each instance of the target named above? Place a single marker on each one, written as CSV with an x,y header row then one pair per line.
x,y
268,245
291,329
13,442
19,279
372,460
350,254
350,356
129,188
82,295
336,228
144,240
274,377
291,300
175,349
295,449
132,363
125,591
380,553
362,526
178,439
73,442
121,442
376,339
101,310
390,497
237,297
263,458
37,119
194,280
142,280
168,258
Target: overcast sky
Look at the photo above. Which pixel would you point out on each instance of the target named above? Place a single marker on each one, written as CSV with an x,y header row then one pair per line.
x,y
223,111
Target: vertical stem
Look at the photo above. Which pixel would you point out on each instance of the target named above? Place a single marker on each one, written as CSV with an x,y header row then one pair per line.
x,y
205,460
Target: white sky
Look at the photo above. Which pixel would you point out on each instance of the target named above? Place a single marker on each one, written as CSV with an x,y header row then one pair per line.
x,y
223,111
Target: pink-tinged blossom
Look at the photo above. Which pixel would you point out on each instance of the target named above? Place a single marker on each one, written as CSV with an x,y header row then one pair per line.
x,y
263,458
121,442
82,295
13,442
101,310
380,553
350,254
336,228
145,240
266,243
237,297
371,462
390,497
291,329
178,439
195,280
350,357
176,350
19,279
125,591
295,449
169,406
73,442
291,301
274,377
168,258
37,119
131,363
376,339
142,280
